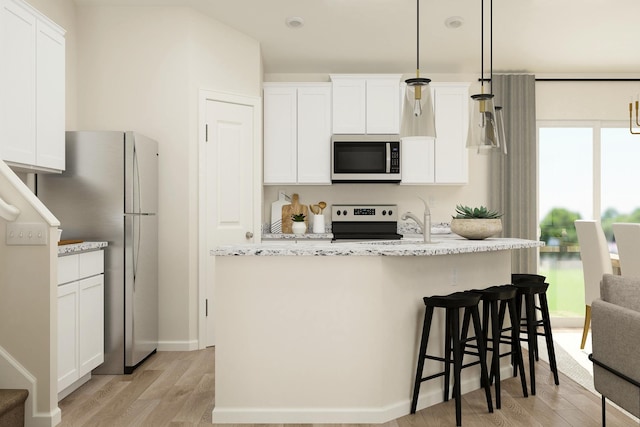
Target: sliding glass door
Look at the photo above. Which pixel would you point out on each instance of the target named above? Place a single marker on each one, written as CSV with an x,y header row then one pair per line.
x,y
587,170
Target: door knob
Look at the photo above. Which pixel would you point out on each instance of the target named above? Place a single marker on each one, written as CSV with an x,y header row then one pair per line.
x,y
249,235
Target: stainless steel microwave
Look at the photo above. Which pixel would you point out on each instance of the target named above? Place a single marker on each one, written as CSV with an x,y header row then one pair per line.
x,y
365,158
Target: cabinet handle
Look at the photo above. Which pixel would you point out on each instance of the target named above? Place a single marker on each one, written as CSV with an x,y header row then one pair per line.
x,y
249,235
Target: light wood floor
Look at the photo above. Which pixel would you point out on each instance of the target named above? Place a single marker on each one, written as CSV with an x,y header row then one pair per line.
x,y
176,389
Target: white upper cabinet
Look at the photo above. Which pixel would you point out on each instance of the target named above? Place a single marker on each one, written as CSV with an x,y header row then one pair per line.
x,y
366,103
445,159
50,99
32,54
297,133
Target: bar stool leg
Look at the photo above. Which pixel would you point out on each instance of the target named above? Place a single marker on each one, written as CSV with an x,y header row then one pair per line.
x,y
495,354
516,348
501,316
546,323
457,363
482,352
531,339
426,327
447,353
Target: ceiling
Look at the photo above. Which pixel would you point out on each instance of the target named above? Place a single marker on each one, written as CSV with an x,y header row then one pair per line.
x,y
549,37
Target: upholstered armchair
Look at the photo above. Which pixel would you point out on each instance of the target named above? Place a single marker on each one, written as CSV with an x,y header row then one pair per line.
x,y
615,334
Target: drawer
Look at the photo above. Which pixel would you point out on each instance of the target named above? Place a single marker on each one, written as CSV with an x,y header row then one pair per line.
x,y
79,266
90,264
67,269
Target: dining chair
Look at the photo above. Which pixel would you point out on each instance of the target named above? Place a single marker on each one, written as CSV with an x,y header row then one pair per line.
x,y
596,261
628,240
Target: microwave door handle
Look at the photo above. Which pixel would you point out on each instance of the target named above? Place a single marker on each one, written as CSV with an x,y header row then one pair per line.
x,y
388,145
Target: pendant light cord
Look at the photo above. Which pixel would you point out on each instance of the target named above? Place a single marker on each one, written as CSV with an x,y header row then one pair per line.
x,y
417,38
491,45
482,46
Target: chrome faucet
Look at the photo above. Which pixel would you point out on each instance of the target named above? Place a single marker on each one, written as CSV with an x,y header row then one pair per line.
x,y
425,224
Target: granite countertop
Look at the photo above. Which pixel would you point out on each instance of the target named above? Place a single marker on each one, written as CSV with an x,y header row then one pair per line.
x,y
305,236
75,248
410,246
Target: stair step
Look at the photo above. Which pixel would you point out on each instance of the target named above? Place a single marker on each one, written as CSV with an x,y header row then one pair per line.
x,y
12,407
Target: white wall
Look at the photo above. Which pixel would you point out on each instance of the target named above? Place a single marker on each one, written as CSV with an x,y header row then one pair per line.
x,y
585,100
140,68
443,198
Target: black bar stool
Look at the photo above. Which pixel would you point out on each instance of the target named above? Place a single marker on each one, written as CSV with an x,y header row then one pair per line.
x,y
455,341
495,302
530,285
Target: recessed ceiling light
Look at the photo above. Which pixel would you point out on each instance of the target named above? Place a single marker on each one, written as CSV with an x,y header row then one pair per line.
x,y
454,22
294,22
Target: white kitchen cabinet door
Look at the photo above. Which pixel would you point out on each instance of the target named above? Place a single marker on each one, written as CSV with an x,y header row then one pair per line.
x,y
80,318
32,84
445,160
18,84
383,105
90,323
452,123
297,133
50,100
314,135
366,103
349,105
280,135
417,161
67,335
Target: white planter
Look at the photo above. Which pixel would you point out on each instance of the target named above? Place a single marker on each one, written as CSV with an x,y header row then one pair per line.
x,y
298,227
476,229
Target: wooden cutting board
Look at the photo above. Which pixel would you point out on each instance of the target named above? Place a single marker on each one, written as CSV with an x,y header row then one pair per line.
x,y
294,208
69,242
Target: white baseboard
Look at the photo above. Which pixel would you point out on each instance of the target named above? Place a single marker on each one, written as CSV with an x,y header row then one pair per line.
x,y
367,415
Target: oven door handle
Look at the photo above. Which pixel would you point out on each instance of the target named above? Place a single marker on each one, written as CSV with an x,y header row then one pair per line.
x,y
388,162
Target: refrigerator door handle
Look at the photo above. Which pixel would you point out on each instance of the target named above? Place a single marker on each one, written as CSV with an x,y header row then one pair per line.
x,y
136,181
135,248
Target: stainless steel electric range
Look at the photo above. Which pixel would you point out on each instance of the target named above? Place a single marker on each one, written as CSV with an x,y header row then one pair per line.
x,y
364,222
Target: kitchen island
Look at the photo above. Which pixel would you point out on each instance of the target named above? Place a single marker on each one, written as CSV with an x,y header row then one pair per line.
x,y
329,332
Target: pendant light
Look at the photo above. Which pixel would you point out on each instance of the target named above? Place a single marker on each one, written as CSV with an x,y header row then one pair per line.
x,y
484,132
631,124
417,113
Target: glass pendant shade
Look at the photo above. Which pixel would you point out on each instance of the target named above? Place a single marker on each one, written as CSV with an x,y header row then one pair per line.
x,y
417,113
502,137
483,133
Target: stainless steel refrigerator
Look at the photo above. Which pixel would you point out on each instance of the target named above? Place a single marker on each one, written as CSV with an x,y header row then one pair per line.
x,y
109,192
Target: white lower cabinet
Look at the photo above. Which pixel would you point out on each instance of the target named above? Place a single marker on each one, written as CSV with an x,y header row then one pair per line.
x,y
80,318
445,159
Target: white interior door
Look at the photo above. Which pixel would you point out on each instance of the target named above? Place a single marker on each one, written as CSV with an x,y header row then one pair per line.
x,y
230,172
229,192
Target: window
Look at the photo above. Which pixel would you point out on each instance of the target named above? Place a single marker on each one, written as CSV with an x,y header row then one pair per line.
x,y
587,170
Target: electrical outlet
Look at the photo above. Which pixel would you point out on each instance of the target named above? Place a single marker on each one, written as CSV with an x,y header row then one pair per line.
x,y
27,233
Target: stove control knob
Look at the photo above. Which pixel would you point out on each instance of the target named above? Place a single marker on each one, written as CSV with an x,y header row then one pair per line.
x,y
384,213
344,212
338,213
390,212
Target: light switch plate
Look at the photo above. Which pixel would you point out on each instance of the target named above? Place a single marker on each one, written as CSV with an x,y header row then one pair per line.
x,y
27,233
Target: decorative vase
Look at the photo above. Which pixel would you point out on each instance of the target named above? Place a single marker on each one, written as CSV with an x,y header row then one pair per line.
x,y
298,227
318,223
476,228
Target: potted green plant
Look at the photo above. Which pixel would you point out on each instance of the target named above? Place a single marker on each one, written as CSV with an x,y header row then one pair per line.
x,y
298,226
476,223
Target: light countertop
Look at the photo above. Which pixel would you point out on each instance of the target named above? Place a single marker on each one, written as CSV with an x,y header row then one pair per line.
x,y
75,248
441,245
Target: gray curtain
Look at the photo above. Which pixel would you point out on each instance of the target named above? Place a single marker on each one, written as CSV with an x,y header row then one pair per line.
x,y
513,178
